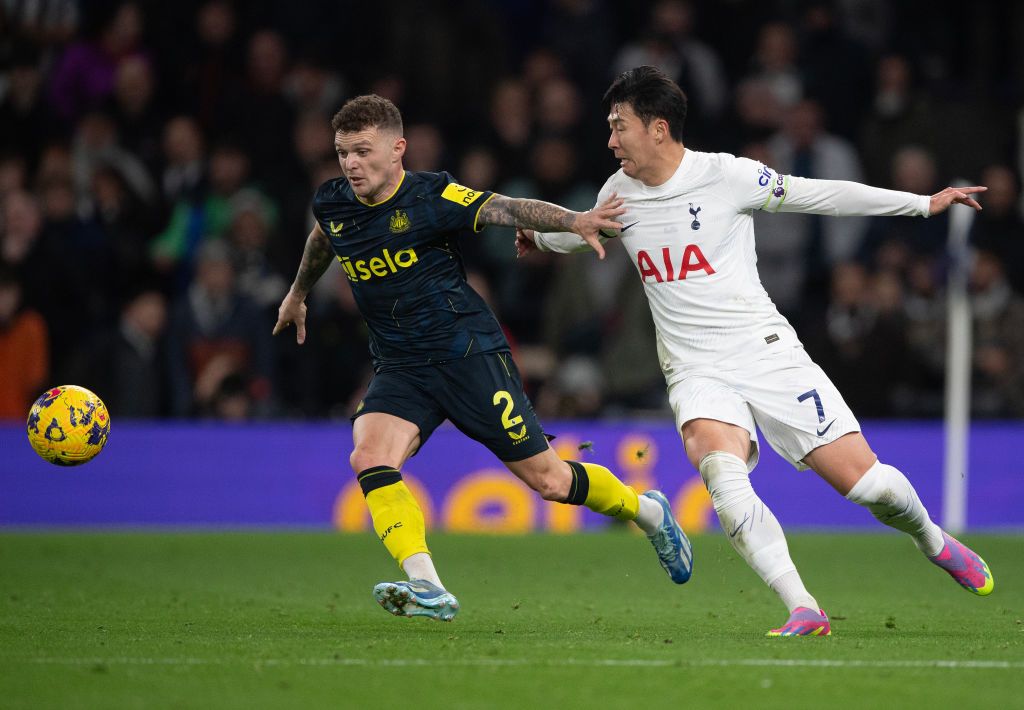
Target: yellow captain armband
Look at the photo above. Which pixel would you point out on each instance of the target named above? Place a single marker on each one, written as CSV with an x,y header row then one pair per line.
x,y
460,194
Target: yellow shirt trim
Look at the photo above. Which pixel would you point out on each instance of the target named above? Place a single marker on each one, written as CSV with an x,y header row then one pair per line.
x,y
477,217
393,193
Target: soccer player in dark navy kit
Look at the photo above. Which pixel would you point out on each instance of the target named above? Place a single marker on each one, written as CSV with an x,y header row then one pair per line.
x,y
438,351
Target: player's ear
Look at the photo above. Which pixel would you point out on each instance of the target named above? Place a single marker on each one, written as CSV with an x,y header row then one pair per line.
x,y
660,129
399,149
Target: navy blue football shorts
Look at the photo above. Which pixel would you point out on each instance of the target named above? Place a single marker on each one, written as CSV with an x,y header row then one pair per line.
x,y
482,395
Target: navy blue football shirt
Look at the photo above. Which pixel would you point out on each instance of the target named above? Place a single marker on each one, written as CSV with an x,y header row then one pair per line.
x,y
403,262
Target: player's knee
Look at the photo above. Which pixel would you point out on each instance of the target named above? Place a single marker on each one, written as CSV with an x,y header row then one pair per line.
x,y
726,478
363,458
553,483
552,487
885,491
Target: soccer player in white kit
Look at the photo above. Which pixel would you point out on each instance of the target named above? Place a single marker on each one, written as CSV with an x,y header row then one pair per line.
x,y
731,361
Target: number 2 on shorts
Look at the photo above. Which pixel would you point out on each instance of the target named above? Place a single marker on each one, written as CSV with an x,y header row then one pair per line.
x,y
507,421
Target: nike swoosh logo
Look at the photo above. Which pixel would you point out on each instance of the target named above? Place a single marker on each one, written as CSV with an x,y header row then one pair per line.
x,y
821,432
740,526
623,230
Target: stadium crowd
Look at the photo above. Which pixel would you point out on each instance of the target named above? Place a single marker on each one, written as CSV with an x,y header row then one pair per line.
x,y
157,162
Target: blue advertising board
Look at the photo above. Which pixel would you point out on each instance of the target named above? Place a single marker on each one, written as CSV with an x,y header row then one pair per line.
x,y
297,474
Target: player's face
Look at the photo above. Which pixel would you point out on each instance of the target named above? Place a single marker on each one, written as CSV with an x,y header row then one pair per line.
x,y
633,143
371,161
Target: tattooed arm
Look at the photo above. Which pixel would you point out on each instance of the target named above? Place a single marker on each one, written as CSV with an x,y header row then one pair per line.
x,y
315,260
546,217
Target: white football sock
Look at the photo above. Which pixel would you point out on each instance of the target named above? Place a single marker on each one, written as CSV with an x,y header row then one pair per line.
x,y
752,528
650,516
793,593
887,493
421,566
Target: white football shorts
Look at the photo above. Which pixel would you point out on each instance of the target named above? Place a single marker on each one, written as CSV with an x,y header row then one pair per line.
x,y
785,394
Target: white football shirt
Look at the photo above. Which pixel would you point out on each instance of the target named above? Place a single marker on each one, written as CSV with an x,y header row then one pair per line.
x,y
691,240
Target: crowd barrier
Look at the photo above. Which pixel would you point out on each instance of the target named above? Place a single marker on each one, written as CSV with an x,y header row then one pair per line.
x,y
211,475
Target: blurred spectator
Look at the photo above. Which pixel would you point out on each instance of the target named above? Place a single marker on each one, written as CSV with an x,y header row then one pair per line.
x,y
804,148
216,332
20,246
55,163
900,115
598,312
312,88
44,24
511,125
669,44
127,363
26,122
925,338
425,148
999,228
555,178
24,350
126,223
859,339
253,220
313,140
231,400
210,66
575,390
183,160
998,340
913,170
328,375
835,68
581,34
13,173
775,63
85,73
73,264
97,143
255,111
758,114
205,217
134,109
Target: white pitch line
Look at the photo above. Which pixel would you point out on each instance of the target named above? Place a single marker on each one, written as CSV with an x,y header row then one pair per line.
x,y
559,662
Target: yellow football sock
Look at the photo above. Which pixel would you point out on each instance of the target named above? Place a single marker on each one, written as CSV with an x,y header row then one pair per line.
x,y
597,488
397,516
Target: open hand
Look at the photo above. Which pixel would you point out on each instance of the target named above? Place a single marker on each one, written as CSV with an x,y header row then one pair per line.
x,y
590,223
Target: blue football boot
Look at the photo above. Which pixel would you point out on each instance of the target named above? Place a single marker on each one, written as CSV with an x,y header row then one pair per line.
x,y
670,542
417,597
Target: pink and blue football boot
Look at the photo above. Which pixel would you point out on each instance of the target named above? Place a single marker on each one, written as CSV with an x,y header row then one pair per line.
x,y
964,566
804,622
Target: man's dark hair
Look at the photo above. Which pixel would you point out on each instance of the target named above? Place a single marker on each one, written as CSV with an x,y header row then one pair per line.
x,y
652,95
367,111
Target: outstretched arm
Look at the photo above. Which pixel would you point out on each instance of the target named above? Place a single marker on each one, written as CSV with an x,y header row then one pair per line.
x,y
546,217
841,198
315,260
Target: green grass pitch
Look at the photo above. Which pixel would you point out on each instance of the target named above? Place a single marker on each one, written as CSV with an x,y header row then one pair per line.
x,y
286,620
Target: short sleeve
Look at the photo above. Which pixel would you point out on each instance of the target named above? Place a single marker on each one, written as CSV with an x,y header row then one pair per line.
x,y
755,186
458,207
318,202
